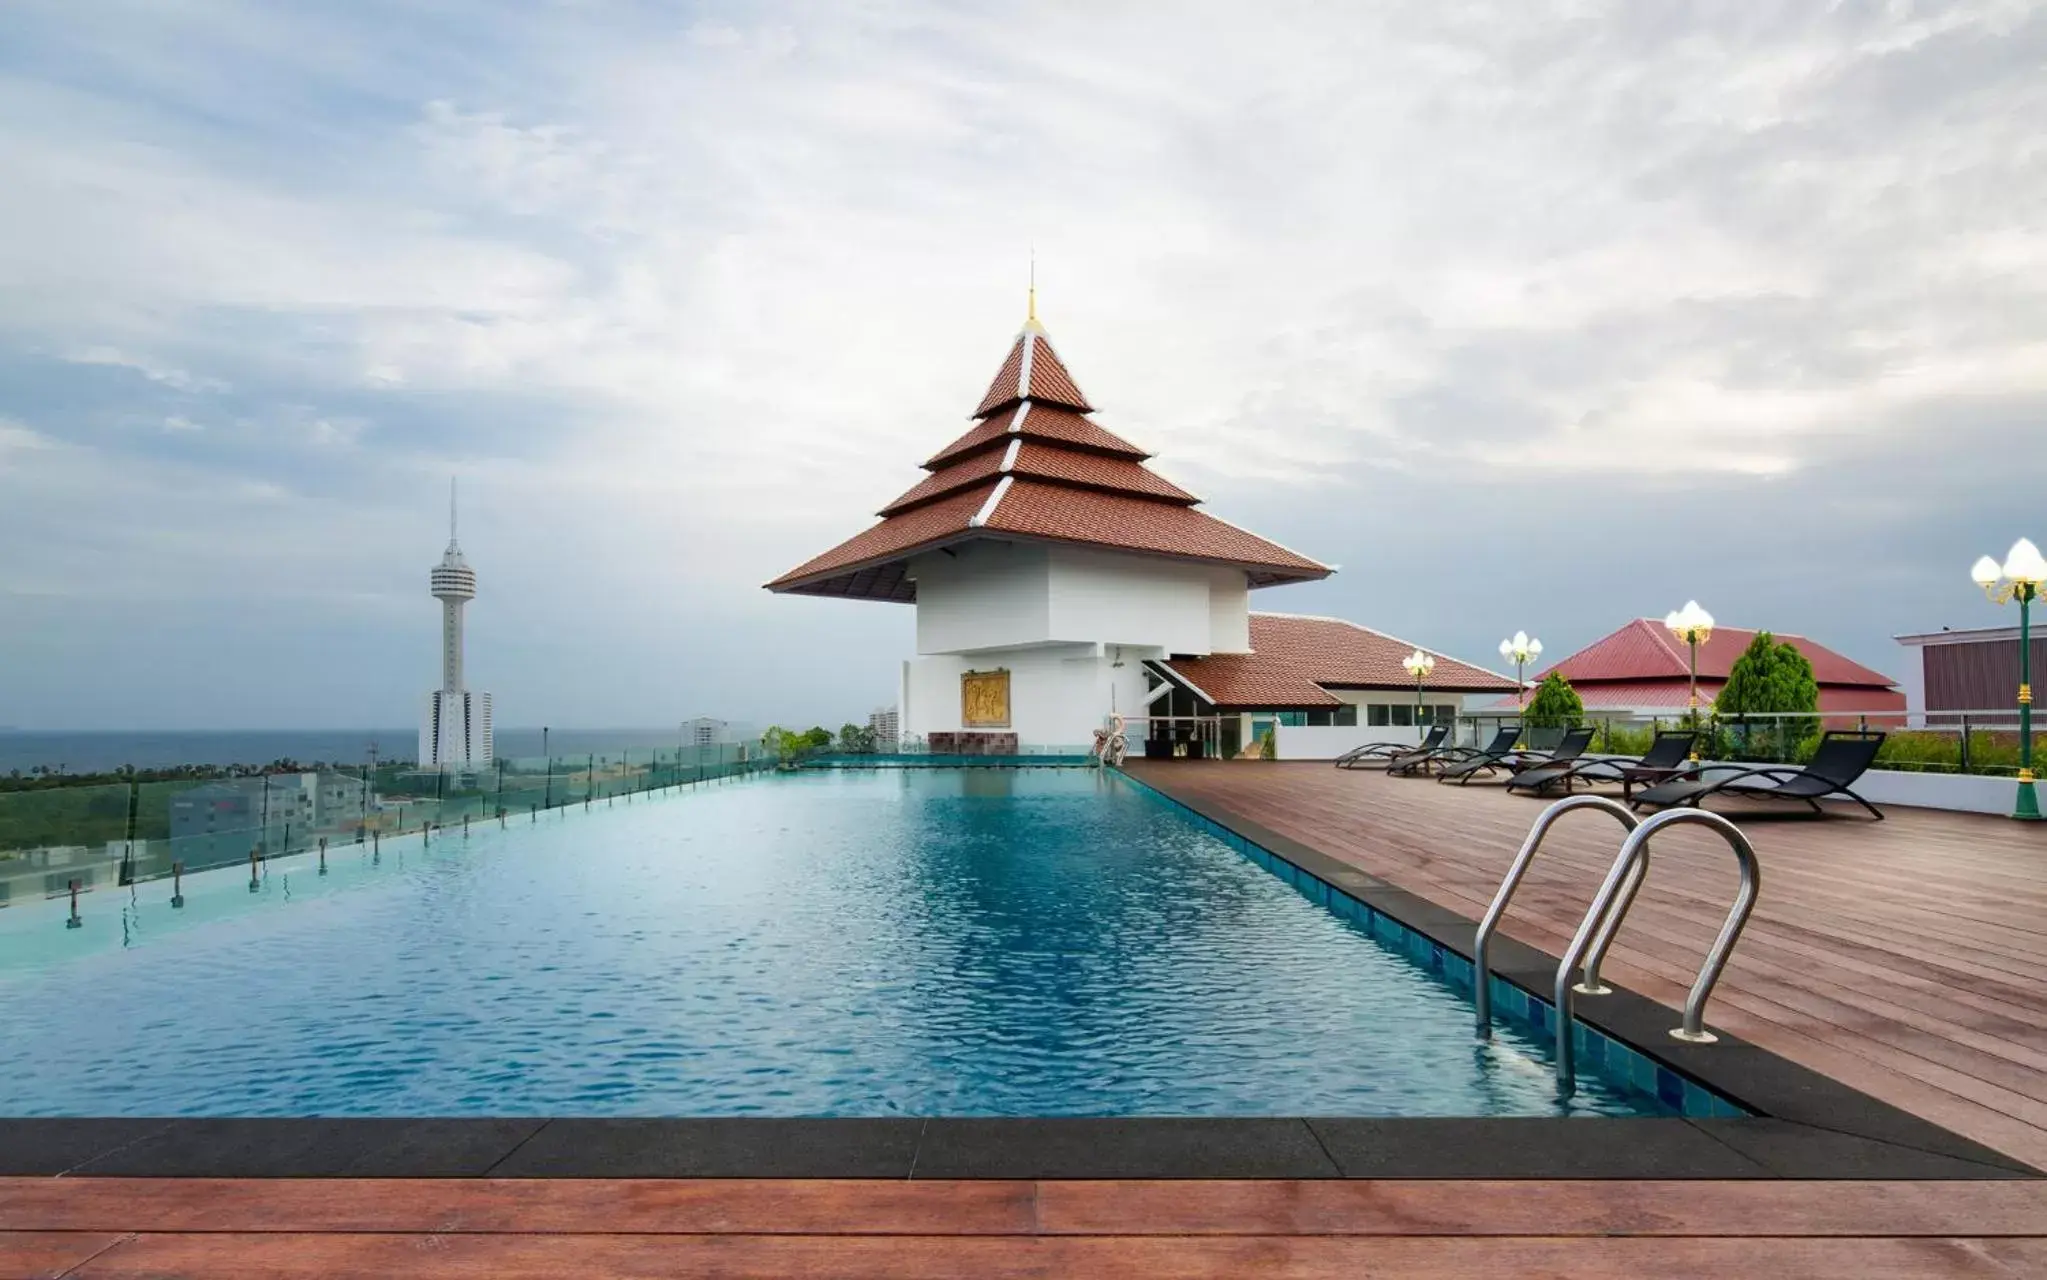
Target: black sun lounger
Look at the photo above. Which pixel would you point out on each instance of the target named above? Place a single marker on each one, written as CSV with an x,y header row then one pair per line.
x,y
1419,762
1376,755
1844,755
1667,752
1519,762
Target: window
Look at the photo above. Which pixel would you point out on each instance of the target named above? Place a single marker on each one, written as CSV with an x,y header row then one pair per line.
x,y
1320,716
1403,715
1375,714
1346,714
1293,717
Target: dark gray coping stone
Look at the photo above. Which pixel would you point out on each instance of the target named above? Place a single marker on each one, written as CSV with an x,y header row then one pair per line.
x,y
737,1147
1531,1147
298,1147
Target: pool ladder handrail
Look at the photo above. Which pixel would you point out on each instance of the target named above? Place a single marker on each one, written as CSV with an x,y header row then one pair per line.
x,y
1481,945
1604,916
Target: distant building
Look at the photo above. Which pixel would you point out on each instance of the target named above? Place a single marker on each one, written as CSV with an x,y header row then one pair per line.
x,y
886,726
1975,669
220,822
1312,672
455,731
1047,565
706,731
1642,672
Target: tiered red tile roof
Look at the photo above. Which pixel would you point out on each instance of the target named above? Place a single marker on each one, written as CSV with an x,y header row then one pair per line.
x,y
1643,665
1295,661
1035,466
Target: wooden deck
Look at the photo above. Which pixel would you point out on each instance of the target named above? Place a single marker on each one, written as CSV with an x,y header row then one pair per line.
x,y
102,1228
1906,958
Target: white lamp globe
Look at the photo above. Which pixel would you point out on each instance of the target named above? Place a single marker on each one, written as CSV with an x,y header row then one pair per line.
x,y
1535,648
1507,647
2025,564
1985,572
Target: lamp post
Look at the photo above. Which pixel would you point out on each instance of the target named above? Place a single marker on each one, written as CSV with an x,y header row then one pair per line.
x,y
1692,626
2019,579
1418,665
1520,651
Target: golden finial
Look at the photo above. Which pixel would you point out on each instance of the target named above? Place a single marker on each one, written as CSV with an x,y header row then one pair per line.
x,y
1031,316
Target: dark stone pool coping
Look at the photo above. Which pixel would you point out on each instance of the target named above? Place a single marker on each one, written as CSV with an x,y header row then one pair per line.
x,y
1806,1125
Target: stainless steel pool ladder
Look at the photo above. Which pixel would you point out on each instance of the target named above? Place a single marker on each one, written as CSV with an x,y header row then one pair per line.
x,y
1603,919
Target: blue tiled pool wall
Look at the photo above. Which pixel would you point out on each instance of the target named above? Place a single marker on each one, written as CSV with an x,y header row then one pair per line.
x,y
1618,1063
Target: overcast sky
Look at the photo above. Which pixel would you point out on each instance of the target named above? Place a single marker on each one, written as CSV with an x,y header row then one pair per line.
x,y
1527,316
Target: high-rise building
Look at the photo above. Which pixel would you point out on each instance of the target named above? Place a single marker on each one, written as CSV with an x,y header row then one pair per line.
x,y
885,724
455,731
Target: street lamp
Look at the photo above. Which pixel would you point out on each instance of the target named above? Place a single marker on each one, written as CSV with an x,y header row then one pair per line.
x,y
2019,579
1418,665
1692,626
1520,651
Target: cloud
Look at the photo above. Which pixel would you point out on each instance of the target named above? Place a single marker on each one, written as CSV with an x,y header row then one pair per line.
x,y
685,296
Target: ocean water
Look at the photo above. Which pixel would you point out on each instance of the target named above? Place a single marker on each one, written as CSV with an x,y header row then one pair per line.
x,y
828,943
94,752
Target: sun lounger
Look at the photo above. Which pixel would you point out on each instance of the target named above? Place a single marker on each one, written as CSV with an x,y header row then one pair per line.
x,y
1844,755
1376,755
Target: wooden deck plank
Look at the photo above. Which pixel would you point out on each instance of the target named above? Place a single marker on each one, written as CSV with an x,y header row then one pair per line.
x,y
825,1207
550,1257
1906,958
50,1253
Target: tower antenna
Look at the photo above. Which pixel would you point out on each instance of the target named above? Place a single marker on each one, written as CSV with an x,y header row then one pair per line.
x,y
451,511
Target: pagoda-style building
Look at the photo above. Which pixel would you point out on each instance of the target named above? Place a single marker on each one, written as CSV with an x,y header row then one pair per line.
x,y
1049,566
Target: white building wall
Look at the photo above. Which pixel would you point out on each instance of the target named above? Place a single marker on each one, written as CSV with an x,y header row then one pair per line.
x,y
1229,611
986,595
1058,695
1105,597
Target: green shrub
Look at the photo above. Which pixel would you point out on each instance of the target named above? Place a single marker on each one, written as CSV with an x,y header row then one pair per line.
x,y
1268,745
1556,705
1773,680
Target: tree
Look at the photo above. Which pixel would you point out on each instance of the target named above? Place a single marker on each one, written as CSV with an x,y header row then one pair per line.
x,y
856,739
1556,705
1774,680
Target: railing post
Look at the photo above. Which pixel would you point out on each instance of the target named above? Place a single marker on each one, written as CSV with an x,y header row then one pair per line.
x,y
74,922
177,884
253,885
1964,766
323,855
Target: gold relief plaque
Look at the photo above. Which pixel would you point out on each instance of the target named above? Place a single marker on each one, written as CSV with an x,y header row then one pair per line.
x,y
984,699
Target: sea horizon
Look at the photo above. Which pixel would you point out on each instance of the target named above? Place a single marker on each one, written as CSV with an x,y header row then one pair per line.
x,y
104,750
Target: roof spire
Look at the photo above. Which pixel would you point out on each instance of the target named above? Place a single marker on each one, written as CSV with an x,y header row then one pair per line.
x,y
1032,315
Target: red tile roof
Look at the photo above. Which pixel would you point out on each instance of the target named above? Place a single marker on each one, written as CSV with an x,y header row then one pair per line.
x,y
1295,660
1038,469
1045,462
1039,510
1033,371
1644,649
1044,422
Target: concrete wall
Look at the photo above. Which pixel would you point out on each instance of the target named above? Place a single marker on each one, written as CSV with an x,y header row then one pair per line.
x,y
1058,694
1326,742
996,595
1141,600
989,595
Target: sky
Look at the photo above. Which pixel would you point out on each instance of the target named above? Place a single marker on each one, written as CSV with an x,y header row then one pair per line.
x,y
1527,316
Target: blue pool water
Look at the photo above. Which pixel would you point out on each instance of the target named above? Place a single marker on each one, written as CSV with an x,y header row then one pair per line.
x,y
857,943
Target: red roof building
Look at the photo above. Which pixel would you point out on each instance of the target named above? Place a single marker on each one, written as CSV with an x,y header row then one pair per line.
x,y
1047,562
1642,670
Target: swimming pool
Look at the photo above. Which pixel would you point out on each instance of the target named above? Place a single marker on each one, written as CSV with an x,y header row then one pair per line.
x,y
829,943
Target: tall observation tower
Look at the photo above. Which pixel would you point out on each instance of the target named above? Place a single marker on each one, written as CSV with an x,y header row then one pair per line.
x,y
455,731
